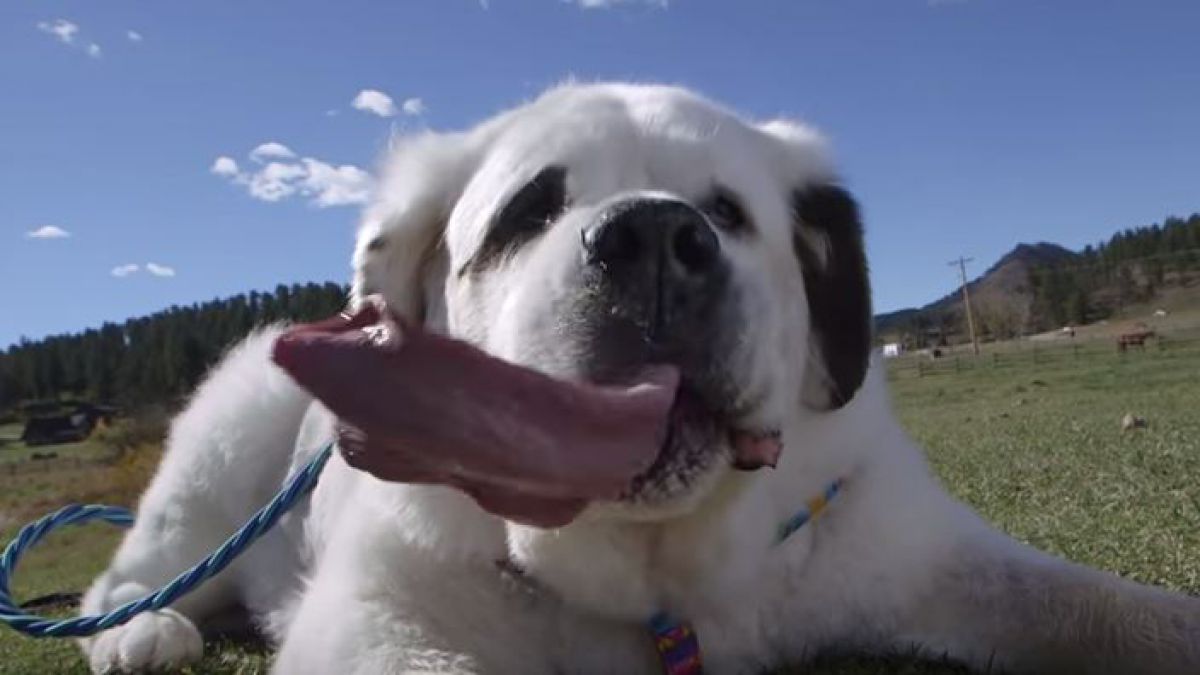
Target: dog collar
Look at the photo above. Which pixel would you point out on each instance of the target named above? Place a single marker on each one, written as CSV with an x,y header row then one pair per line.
x,y
676,641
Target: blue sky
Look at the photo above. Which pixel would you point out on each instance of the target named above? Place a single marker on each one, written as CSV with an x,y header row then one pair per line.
x,y
964,126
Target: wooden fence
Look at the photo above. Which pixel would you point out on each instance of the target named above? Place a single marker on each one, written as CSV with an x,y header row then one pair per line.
x,y
1033,354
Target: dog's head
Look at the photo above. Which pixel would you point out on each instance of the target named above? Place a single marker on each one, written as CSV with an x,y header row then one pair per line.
x,y
605,227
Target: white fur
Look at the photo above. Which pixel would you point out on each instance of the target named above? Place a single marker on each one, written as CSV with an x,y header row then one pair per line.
x,y
382,578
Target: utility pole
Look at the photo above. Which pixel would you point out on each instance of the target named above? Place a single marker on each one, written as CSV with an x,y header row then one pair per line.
x,y
962,270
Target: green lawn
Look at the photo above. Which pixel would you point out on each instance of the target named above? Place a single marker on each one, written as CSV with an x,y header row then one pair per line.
x,y
13,451
10,439
1037,448
1039,451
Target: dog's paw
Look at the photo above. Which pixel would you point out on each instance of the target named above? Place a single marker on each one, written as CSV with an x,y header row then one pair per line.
x,y
152,641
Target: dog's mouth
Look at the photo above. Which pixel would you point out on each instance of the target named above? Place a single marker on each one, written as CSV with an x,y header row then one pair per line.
x,y
422,408
703,433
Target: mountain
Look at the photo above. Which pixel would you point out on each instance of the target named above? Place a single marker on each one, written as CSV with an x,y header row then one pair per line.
x,y
1005,288
1037,287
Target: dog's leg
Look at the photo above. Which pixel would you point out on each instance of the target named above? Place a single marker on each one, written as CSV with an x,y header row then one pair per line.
x,y
226,455
996,602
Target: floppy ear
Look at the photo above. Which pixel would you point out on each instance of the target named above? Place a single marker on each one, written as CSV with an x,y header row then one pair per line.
x,y
399,251
828,241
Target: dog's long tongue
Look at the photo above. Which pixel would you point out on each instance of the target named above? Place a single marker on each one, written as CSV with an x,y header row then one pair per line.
x,y
422,408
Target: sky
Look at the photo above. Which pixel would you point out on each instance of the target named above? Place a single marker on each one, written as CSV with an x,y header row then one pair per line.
x,y
167,153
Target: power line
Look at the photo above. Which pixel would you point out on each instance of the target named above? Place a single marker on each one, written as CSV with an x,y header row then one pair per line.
x,y
962,270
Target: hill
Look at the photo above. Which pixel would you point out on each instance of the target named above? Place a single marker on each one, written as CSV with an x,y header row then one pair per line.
x,y
1003,294
1042,286
1006,280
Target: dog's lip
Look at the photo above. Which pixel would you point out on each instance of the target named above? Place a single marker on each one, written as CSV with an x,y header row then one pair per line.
x,y
753,450
753,445
726,429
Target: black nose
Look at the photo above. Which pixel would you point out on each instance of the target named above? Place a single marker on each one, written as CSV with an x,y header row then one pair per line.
x,y
666,237
658,273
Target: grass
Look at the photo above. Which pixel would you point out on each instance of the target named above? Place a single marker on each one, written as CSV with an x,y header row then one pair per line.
x,y
13,451
10,432
19,453
1036,448
1039,451
65,561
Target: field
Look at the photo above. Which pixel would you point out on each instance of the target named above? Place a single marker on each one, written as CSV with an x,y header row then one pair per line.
x,y
1033,442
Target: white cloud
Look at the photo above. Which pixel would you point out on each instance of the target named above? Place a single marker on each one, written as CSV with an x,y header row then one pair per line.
x,y
322,183
125,270
65,32
224,166
133,36
271,149
336,186
48,232
374,101
413,106
60,28
607,4
332,112
160,270
274,181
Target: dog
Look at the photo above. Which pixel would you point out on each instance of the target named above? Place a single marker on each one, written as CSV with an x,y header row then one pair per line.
x,y
589,232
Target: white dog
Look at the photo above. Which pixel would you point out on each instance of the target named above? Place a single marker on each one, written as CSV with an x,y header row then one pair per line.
x,y
594,230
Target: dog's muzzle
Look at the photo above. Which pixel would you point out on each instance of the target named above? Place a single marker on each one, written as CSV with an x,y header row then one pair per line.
x,y
661,262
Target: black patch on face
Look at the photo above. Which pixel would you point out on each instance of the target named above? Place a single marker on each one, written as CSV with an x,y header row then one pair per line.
x,y
528,213
838,292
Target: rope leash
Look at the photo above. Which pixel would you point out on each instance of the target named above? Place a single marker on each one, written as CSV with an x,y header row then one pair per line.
x,y
297,487
675,640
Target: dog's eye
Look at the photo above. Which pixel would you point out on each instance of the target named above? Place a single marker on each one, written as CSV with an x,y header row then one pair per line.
x,y
535,205
527,214
726,211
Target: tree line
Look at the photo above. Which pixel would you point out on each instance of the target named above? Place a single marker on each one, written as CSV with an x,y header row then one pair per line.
x,y
1065,288
1132,267
155,359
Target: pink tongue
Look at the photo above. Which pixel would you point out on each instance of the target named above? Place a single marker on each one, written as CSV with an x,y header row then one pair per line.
x,y
422,408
